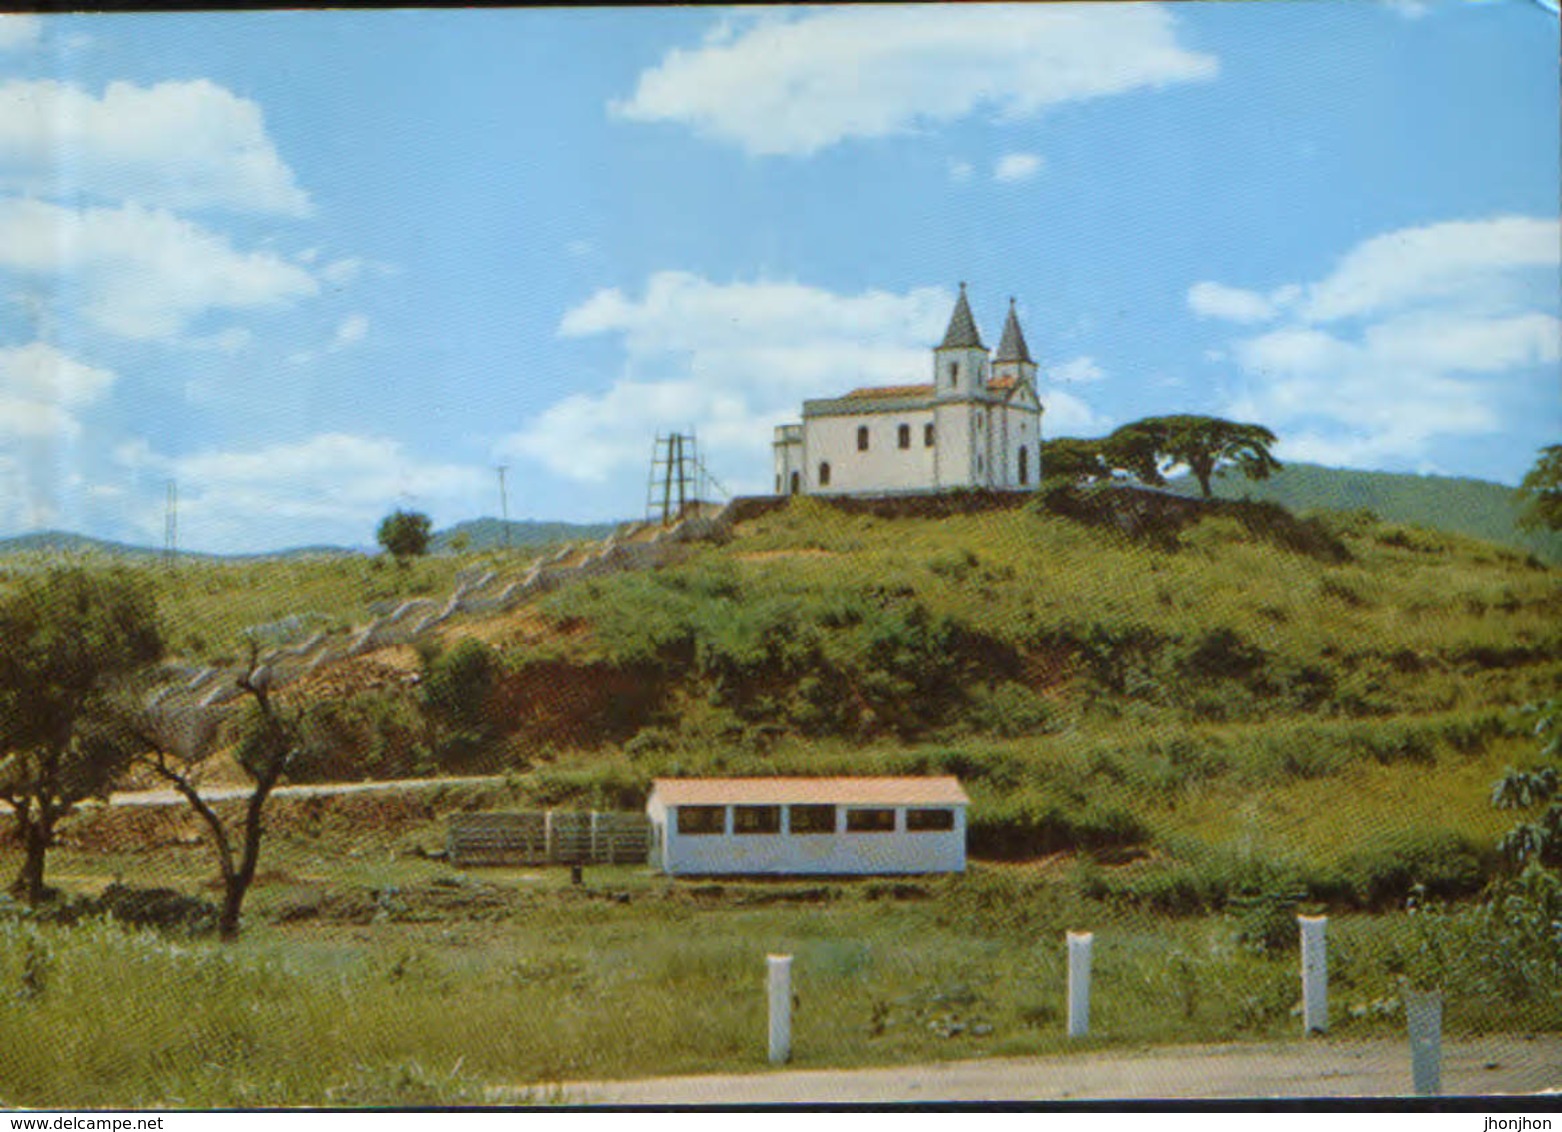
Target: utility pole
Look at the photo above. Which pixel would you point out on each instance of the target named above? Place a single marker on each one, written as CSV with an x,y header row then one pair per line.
x,y
171,524
504,506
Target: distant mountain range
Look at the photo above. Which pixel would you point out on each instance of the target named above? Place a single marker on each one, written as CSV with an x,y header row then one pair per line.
x,y
1463,506
1476,508
489,534
481,534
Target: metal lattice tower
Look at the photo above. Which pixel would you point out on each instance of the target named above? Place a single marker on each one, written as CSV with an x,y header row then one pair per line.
x,y
673,484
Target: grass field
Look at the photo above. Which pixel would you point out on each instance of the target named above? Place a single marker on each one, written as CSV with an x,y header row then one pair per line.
x,y
371,978
1177,745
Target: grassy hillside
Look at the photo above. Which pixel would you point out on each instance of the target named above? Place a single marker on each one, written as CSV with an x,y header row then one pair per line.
x,y
1240,713
489,534
1246,698
1461,506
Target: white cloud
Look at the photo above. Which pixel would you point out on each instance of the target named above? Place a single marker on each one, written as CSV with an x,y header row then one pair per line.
x,y
1215,300
1467,261
18,32
40,370
284,494
352,330
1068,415
1416,336
797,82
1013,167
179,145
960,171
137,272
42,389
1079,371
230,341
727,360
40,386
1409,9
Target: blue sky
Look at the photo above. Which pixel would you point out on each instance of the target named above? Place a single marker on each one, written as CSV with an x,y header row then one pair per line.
x,y
317,265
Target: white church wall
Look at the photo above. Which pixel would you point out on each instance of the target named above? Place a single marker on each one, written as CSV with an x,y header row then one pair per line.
x,y
884,467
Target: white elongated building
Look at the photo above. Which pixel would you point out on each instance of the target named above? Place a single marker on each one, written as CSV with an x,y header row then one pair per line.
x,y
807,826
976,425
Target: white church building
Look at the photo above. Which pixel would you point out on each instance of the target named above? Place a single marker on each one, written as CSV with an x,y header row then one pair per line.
x,y
976,425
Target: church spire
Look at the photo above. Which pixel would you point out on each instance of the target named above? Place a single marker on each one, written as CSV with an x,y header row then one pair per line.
x,y
1013,348
962,333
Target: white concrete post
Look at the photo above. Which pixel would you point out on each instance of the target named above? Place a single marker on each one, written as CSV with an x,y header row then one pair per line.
x,y
780,1009
1315,974
1424,1016
1079,983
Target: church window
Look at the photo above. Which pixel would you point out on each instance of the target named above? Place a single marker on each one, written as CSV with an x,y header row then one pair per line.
x,y
862,438
1024,466
954,373
797,483
778,485
824,474
978,465
904,435
927,436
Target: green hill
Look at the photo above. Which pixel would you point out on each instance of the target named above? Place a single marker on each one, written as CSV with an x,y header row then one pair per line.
x,y
1464,506
489,534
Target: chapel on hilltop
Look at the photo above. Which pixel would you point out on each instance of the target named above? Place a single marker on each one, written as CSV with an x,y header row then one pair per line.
x,y
977,425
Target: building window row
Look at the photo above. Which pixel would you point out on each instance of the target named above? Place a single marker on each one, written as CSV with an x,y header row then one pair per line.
x,y
902,436
809,819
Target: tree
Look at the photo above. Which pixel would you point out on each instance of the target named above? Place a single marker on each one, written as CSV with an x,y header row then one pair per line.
x,y
67,637
1541,492
405,534
1073,461
1537,842
458,691
270,745
1204,445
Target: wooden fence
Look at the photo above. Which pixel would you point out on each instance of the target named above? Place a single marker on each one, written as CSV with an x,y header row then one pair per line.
x,y
539,837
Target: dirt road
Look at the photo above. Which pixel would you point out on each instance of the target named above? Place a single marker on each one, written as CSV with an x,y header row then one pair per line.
x,y
315,790
1319,1067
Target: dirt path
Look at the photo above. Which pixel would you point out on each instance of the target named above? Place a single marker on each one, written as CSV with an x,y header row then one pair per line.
x,y
1502,1064
169,798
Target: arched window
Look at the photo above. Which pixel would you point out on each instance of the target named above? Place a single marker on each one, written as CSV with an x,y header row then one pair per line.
x,y
954,373
862,438
1024,466
824,474
927,436
904,435
797,483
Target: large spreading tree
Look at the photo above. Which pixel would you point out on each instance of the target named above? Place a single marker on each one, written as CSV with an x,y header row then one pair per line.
x,y
1149,449
68,636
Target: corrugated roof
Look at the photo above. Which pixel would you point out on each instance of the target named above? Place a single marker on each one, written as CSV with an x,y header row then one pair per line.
x,y
962,332
874,391
938,791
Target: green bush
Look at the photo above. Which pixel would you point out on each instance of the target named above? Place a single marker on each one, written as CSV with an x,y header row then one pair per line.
x,y
1443,865
1025,826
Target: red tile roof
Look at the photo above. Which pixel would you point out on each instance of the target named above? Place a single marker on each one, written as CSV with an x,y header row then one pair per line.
x,y
873,391
940,791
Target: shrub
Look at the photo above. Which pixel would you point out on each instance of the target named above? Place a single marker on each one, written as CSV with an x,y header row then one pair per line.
x,y
1444,865
1009,710
1016,828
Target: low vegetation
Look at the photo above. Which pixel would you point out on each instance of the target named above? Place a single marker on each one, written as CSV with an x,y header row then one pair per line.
x,y
1180,722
